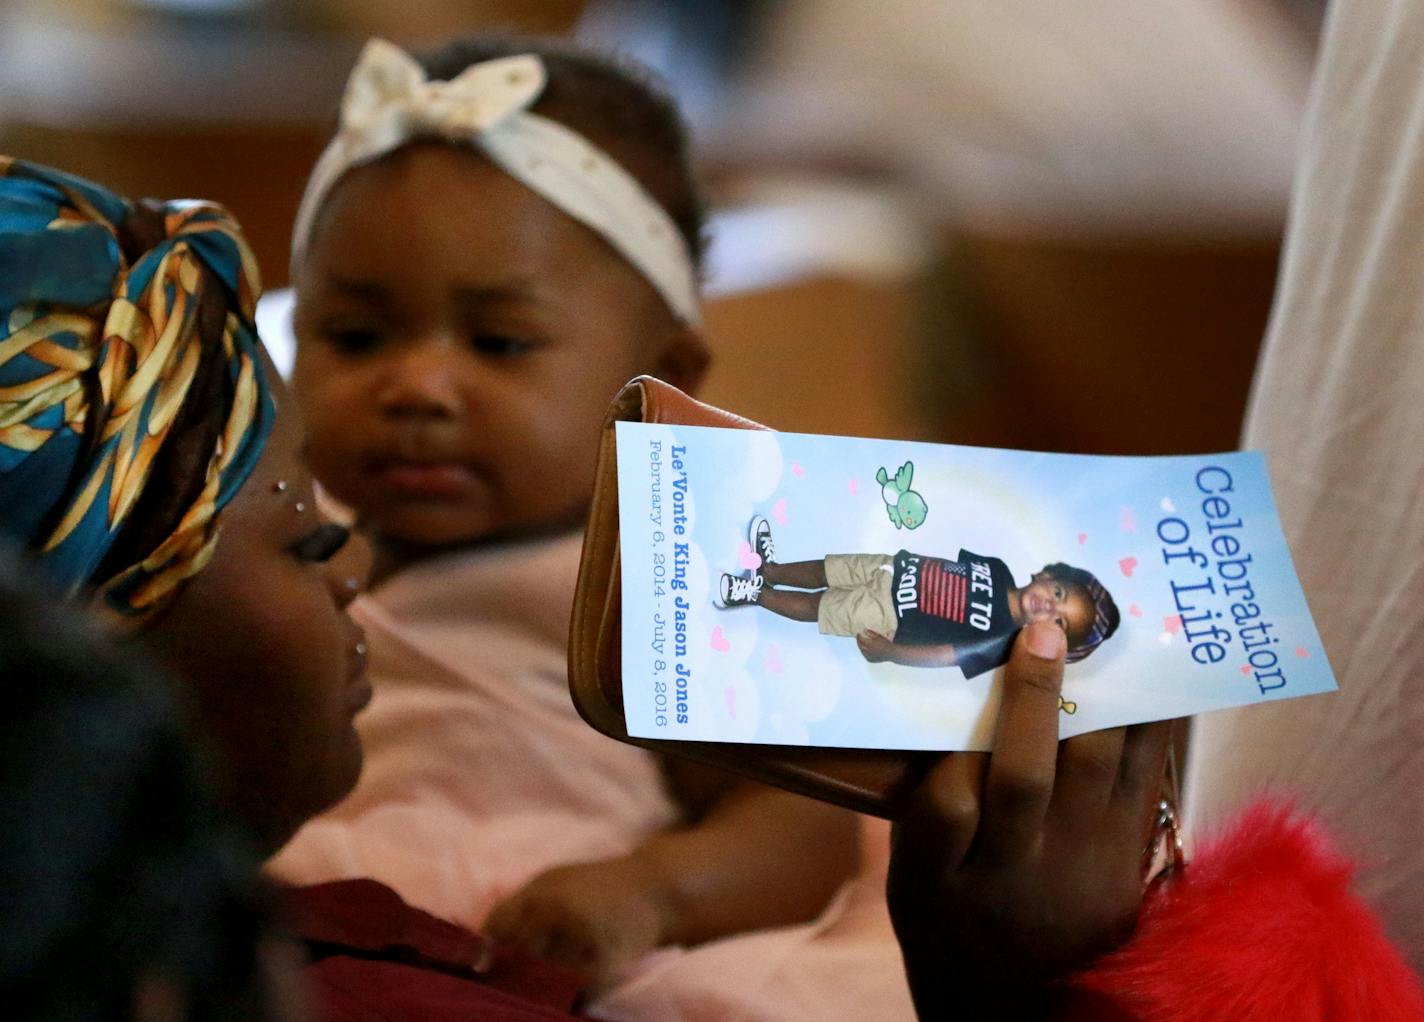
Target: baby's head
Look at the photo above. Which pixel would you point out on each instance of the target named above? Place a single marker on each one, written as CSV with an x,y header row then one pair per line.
x,y
461,326
1076,601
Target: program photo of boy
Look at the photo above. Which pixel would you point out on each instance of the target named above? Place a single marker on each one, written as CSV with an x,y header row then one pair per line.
x,y
924,611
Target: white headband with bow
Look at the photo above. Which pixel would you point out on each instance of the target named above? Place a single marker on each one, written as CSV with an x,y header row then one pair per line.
x,y
389,102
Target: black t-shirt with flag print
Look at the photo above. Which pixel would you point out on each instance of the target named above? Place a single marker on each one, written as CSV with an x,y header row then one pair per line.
x,y
962,603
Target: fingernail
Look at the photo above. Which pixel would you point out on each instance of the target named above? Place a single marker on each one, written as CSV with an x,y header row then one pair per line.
x,y
1045,640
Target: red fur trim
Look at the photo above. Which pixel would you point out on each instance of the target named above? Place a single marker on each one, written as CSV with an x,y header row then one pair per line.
x,y
1261,926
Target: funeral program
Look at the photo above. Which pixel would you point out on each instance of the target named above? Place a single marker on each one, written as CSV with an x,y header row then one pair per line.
x,y
792,589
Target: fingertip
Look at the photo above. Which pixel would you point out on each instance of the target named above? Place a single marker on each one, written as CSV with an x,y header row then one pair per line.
x,y
1036,663
955,792
1045,640
934,831
943,810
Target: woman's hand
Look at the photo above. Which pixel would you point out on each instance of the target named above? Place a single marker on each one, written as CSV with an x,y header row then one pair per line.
x,y
597,917
1010,869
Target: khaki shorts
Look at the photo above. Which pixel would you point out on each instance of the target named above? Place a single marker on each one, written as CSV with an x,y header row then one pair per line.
x,y
858,598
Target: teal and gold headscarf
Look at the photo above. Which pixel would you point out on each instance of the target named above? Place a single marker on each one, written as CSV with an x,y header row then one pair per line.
x,y
99,347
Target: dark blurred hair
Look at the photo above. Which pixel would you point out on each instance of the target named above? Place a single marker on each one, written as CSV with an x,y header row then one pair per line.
x,y
617,104
115,869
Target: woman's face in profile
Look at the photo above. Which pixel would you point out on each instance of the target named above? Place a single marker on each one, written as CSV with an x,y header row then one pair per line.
x,y
272,663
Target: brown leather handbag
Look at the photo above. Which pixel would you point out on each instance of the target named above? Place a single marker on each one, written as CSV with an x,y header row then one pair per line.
x,y
866,780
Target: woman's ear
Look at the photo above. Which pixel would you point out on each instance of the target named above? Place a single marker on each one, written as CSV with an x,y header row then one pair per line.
x,y
684,359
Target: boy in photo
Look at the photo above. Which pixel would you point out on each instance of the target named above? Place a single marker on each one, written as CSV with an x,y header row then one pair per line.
x,y
923,611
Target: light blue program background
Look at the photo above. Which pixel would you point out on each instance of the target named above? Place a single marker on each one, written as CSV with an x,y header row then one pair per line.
x,y
755,677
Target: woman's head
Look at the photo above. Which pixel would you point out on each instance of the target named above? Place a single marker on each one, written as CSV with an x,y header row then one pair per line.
x,y
261,634
145,468
471,296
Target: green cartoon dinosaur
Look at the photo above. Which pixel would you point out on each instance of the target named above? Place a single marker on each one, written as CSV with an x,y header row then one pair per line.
x,y
907,509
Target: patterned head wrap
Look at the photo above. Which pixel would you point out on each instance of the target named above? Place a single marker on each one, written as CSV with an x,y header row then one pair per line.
x,y
98,349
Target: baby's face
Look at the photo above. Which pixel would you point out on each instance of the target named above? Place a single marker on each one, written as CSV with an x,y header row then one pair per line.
x,y
459,341
1068,606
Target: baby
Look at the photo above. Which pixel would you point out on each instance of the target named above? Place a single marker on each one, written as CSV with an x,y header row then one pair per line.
x,y
924,611
496,240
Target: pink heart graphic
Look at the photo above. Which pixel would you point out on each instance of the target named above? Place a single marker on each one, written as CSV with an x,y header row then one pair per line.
x,y
1302,652
1082,538
1245,668
778,511
773,660
1173,624
747,557
853,486
1127,564
730,694
1135,610
719,640
1129,520
796,469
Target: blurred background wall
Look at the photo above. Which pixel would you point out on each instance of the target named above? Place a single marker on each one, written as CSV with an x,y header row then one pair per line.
x,y
1011,222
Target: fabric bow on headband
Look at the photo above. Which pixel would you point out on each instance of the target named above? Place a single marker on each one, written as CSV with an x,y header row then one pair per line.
x,y
389,102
